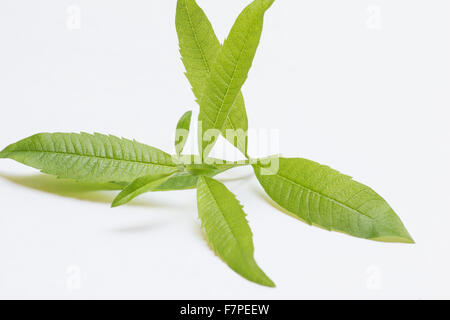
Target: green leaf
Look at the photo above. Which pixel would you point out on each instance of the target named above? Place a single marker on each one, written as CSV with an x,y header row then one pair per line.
x,y
326,198
227,229
182,181
229,72
182,132
189,179
90,158
199,47
139,186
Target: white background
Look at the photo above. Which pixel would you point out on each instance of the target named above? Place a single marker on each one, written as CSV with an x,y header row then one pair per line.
x,y
362,86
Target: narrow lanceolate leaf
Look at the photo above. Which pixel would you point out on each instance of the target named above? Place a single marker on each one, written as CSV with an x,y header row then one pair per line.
x,y
227,229
199,47
91,158
326,198
230,71
139,186
182,132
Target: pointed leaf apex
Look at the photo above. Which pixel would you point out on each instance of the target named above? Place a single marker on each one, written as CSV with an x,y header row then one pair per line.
x,y
407,239
270,283
267,4
227,230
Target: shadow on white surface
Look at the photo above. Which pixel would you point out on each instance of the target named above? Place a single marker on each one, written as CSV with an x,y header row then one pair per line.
x,y
140,228
92,192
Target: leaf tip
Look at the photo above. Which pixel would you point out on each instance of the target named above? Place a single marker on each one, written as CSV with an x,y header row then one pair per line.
x,y
395,231
406,239
117,202
270,284
267,3
263,280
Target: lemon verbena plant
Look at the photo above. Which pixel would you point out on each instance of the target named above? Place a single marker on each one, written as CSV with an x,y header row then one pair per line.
x,y
316,194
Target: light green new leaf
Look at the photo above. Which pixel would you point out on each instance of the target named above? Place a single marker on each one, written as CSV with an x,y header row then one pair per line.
x,y
326,198
189,178
182,181
139,186
90,158
230,71
182,132
199,47
227,229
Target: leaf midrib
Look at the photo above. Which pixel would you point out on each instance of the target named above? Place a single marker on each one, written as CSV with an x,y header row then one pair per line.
x,y
95,157
194,31
326,197
231,81
205,61
241,248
